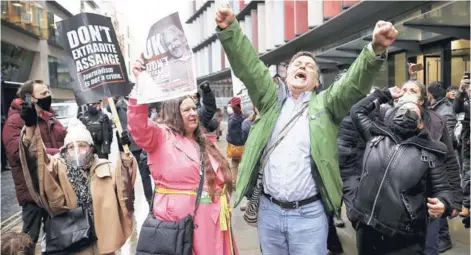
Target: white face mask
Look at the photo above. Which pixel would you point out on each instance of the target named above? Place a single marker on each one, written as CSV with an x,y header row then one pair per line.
x,y
229,110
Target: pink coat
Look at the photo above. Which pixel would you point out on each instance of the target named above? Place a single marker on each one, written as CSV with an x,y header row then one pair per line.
x,y
174,164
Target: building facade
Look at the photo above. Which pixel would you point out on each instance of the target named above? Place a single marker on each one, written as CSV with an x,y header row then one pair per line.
x,y
31,47
435,34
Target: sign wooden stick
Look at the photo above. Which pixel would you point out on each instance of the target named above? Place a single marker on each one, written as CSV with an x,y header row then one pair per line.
x,y
116,121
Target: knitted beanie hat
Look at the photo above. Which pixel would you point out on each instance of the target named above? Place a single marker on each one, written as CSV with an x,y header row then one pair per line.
x,y
77,132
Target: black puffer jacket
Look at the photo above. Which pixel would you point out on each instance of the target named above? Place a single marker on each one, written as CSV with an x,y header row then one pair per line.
x,y
397,176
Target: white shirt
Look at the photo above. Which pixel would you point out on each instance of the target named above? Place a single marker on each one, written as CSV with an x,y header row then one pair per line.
x,y
287,176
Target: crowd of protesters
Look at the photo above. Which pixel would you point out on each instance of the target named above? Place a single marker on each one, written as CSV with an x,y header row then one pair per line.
x,y
396,158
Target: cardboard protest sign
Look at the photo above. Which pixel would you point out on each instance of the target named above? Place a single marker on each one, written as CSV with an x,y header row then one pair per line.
x,y
239,89
96,58
169,63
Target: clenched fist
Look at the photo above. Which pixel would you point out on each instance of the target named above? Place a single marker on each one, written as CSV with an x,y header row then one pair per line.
x,y
384,35
224,16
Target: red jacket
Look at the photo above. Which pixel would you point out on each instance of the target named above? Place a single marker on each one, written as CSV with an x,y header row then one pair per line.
x,y
52,133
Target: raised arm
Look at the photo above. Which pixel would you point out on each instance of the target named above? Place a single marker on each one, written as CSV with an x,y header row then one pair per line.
x,y
356,83
208,109
361,112
245,62
145,133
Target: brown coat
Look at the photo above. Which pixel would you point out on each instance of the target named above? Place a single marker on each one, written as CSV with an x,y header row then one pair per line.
x,y
111,190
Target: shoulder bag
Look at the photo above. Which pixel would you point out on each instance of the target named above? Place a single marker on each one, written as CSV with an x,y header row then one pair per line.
x,y
251,213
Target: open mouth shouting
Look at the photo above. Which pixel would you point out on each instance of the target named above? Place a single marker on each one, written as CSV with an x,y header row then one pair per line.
x,y
300,75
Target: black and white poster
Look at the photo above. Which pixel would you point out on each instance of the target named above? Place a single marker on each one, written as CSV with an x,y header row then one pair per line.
x,y
96,58
170,71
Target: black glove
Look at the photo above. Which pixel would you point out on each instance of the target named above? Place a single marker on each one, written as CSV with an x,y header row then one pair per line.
x,y
123,140
466,221
205,87
28,114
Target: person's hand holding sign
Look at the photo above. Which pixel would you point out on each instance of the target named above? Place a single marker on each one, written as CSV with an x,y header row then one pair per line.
x,y
138,66
384,35
224,17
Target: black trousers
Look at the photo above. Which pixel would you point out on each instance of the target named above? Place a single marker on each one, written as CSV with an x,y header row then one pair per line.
x,y
145,176
372,242
333,241
32,216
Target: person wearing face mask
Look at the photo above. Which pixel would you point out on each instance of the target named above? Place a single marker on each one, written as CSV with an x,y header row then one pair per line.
x,y
101,128
77,178
437,127
52,132
403,182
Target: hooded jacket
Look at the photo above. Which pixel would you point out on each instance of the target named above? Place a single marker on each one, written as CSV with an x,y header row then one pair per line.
x,y
398,175
52,133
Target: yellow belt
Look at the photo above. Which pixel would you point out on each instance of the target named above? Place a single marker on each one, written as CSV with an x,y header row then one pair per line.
x,y
224,214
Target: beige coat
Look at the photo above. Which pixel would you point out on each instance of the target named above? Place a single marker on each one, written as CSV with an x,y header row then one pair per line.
x,y
111,189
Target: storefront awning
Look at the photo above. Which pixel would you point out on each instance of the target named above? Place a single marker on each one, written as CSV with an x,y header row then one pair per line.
x,y
451,20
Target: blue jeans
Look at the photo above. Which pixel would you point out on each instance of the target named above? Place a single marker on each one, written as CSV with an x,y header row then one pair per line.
x,y
298,231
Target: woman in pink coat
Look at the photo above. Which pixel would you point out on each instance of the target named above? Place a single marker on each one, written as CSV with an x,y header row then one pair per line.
x,y
173,148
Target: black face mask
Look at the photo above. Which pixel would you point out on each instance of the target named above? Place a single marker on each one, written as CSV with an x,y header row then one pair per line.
x,y
45,103
405,123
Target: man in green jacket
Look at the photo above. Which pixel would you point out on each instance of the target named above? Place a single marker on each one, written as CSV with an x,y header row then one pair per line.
x,y
290,167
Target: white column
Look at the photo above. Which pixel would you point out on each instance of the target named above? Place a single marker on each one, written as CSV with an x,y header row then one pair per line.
x,y
206,61
210,59
248,27
269,23
279,23
226,61
218,56
235,7
261,28
315,13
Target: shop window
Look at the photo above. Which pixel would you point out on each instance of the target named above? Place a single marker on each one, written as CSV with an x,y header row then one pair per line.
x,y
433,65
459,64
59,76
400,73
16,63
32,17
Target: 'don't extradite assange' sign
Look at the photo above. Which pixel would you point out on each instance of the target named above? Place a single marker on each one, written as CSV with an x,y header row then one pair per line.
x,y
96,58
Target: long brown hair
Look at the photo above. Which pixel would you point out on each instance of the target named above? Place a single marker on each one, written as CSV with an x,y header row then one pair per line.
x,y
172,118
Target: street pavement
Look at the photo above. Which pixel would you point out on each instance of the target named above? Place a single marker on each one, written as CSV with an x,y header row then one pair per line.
x,y
245,235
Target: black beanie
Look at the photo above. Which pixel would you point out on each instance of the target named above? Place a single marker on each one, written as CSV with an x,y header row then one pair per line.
x,y
437,89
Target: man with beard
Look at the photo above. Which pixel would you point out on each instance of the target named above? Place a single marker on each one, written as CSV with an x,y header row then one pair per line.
x,y
297,179
52,133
